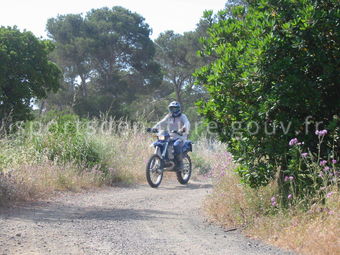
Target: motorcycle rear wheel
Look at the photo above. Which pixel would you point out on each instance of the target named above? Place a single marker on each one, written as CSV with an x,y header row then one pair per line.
x,y
154,171
184,175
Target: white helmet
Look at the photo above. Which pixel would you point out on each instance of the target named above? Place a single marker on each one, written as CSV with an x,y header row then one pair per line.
x,y
175,109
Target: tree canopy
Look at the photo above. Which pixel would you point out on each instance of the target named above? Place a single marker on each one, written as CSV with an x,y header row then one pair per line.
x,y
176,54
25,72
107,58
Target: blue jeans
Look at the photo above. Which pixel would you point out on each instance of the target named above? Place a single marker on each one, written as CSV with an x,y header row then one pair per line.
x,y
178,145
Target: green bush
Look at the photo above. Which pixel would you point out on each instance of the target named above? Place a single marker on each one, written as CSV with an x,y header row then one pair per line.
x,y
66,140
275,63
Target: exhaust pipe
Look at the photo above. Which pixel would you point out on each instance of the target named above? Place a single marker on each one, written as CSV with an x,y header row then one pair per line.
x,y
170,167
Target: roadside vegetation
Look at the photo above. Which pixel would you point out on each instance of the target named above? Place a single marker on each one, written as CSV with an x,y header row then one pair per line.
x,y
308,223
61,152
274,87
67,153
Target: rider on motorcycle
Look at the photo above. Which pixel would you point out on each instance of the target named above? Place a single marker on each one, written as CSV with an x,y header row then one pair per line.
x,y
179,122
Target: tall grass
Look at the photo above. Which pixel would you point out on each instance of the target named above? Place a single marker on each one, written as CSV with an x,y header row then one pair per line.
x,y
67,153
308,225
313,231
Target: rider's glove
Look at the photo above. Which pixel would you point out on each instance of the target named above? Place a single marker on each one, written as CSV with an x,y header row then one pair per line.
x,y
152,130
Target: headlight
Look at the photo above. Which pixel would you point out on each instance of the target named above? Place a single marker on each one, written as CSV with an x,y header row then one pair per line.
x,y
161,137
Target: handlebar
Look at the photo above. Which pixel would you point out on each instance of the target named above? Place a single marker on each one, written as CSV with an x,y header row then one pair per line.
x,y
176,132
152,130
155,131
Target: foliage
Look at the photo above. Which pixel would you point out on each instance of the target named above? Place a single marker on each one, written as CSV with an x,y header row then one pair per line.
x,y
275,64
65,140
176,54
310,176
107,59
25,72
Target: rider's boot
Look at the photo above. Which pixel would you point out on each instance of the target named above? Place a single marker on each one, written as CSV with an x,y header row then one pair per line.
x,y
179,162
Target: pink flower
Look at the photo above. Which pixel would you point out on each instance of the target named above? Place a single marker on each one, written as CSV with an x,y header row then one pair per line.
x,y
320,174
334,161
286,178
326,168
321,132
330,194
323,162
304,155
293,141
291,178
274,203
290,196
273,199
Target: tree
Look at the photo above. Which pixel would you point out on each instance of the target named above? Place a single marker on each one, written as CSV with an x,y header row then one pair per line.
x,y
26,73
69,32
276,63
177,56
107,57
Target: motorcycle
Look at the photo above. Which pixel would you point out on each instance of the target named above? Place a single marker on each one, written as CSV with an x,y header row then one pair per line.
x,y
163,159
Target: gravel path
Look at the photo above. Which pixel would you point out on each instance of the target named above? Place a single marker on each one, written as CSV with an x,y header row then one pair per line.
x,y
130,220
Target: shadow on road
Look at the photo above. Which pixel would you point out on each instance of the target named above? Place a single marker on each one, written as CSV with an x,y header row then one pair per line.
x,y
190,186
59,212
56,212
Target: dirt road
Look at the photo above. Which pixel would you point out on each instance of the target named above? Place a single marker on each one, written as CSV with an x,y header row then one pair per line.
x,y
130,220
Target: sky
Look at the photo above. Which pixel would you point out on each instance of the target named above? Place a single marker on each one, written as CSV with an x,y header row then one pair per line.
x,y
161,15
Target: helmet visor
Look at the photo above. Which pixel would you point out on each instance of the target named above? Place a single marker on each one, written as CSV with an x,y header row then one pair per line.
x,y
174,109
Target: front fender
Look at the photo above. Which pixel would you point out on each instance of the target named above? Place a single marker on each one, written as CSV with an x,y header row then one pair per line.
x,y
159,147
158,144
187,146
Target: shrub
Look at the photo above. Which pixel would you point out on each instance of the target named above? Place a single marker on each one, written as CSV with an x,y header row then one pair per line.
x,y
310,176
275,63
65,140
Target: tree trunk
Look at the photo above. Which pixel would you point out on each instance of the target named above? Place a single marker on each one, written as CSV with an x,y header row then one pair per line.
x,y
42,106
178,91
83,86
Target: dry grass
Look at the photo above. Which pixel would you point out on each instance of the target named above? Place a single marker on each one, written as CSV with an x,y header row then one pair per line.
x,y
233,204
123,150
316,231
29,182
126,154
26,173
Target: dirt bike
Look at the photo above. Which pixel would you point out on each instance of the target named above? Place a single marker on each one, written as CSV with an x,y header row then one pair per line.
x,y
163,159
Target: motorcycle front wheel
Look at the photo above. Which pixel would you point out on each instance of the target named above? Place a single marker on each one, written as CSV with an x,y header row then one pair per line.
x,y
184,176
154,172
